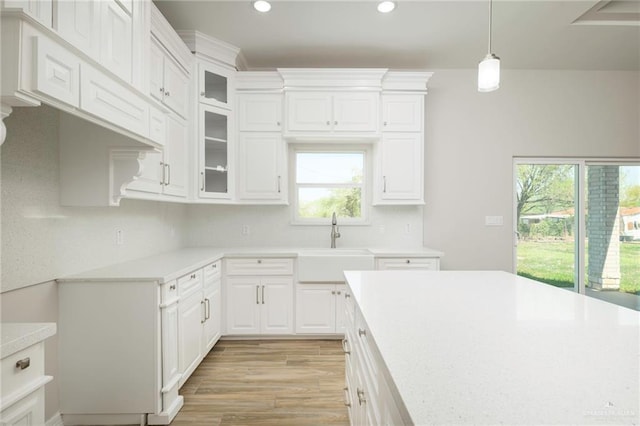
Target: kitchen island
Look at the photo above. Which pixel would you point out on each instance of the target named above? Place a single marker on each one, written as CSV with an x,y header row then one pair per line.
x,y
462,347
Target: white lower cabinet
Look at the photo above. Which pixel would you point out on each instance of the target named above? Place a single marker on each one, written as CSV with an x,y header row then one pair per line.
x,y
259,296
368,394
320,308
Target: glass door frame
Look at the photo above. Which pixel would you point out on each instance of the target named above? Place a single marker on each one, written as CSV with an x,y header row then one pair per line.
x,y
580,205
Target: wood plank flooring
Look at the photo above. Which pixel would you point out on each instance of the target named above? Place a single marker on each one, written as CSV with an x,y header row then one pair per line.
x,y
267,382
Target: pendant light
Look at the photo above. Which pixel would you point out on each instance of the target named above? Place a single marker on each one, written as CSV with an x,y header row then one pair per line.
x,y
489,68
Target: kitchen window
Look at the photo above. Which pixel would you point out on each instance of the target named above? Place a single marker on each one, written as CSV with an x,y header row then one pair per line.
x,y
328,181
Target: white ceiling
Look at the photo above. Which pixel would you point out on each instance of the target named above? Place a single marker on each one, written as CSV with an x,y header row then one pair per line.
x,y
428,34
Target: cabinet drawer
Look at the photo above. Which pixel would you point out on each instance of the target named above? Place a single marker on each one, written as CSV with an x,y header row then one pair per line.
x,y
169,291
14,378
423,263
27,411
190,283
107,99
57,72
259,266
367,353
212,272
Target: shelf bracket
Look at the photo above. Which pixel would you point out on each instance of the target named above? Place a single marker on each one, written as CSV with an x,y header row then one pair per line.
x,y
125,166
5,111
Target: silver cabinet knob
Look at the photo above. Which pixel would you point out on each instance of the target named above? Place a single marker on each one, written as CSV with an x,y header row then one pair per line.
x,y
202,93
172,287
259,261
167,93
23,363
362,332
408,260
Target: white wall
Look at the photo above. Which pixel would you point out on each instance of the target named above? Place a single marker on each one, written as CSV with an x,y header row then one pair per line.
x,y
471,139
270,226
42,240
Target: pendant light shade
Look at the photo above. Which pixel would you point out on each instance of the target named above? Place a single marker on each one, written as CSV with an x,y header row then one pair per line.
x,y
489,73
489,68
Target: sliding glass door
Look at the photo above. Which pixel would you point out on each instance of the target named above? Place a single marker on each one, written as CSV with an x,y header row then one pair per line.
x,y
578,226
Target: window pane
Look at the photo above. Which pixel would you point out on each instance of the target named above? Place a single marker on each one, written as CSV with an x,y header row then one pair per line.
x,y
322,202
329,167
546,249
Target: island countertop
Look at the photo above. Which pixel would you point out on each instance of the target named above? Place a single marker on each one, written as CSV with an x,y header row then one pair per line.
x,y
487,347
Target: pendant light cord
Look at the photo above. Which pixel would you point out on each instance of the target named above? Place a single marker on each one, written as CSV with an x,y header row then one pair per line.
x,y
490,23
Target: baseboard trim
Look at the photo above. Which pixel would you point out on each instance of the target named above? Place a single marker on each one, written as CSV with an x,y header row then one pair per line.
x,y
55,420
104,419
283,337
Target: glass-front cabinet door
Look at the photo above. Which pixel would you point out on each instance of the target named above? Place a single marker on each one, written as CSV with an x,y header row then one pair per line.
x,y
214,153
215,85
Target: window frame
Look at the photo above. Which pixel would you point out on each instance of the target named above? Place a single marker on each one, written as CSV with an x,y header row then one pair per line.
x,y
366,185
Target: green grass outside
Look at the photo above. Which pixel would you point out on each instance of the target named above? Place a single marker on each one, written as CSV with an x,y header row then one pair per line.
x,y
552,262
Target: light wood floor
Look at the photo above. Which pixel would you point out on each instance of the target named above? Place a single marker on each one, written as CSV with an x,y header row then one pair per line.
x,y
267,382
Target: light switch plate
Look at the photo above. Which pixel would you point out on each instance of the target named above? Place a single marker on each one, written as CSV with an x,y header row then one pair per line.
x,y
493,220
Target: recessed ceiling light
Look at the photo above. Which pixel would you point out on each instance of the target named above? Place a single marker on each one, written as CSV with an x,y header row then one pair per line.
x,y
262,5
386,6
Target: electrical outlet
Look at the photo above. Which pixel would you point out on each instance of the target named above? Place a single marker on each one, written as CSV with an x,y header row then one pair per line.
x,y
246,230
493,220
119,237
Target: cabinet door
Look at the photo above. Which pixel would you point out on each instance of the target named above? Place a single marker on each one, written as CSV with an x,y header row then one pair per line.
x,y
215,85
191,311
402,113
276,306
28,411
214,152
260,166
401,175
156,70
170,355
39,9
213,322
308,112
176,87
176,151
116,39
259,112
316,308
78,22
355,112
243,305
341,315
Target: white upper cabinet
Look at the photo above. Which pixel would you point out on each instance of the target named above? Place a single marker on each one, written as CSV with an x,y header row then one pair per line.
x,y
107,31
42,10
260,112
175,158
346,112
400,177
168,82
402,113
215,85
57,72
261,168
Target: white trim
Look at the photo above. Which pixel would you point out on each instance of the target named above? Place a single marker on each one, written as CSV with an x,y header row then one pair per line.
x,y
16,396
104,419
55,420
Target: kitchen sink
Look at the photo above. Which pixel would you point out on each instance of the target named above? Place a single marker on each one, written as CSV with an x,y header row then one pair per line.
x,y
328,265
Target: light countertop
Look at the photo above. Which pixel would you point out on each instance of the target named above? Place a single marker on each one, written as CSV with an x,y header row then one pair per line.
x,y
15,336
490,347
168,266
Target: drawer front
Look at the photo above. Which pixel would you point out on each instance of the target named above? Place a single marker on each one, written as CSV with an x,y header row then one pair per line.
x,y
259,266
367,358
57,72
212,272
169,291
415,263
190,283
107,99
13,377
28,411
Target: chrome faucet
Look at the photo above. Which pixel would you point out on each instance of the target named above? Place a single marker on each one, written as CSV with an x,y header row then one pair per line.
x,y
335,230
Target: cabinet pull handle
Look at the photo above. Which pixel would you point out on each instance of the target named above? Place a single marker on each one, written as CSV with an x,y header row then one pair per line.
x,y
347,403
362,332
23,363
339,292
346,295
168,174
172,287
335,123
263,295
384,184
408,260
259,260
278,123
279,178
328,123
207,309
204,311
333,292
202,184
202,93
167,94
163,173
344,347
361,399
385,123
162,90
257,295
